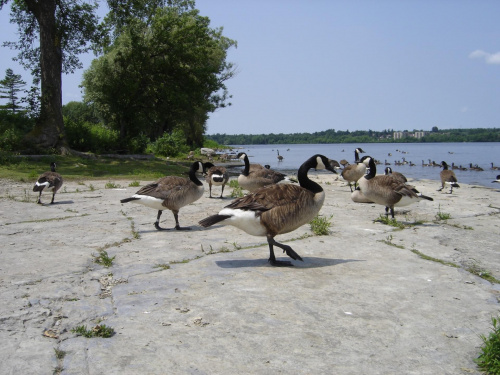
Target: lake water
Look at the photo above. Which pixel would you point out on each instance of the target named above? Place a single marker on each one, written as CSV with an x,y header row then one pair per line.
x,y
482,154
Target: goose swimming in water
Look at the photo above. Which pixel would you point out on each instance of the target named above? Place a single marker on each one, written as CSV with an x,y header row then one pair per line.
x,y
276,209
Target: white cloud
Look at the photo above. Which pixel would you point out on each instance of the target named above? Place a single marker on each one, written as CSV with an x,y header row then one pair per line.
x,y
489,58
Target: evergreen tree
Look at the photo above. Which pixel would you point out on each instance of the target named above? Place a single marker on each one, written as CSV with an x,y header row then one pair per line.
x,y
9,88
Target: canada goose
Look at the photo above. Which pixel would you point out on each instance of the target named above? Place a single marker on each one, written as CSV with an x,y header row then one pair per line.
x,y
358,197
276,209
344,162
253,179
50,180
398,176
334,163
352,173
498,179
217,176
280,158
448,177
170,193
388,191
495,168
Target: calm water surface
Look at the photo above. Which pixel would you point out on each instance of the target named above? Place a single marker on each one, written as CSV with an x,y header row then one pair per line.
x,y
482,154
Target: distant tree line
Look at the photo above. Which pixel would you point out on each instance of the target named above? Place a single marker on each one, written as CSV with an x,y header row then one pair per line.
x,y
358,136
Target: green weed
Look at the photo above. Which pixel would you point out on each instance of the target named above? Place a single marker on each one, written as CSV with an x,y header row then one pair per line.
x,y
112,185
100,330
321,225
134,184
103,259
489,359
389,221
442,215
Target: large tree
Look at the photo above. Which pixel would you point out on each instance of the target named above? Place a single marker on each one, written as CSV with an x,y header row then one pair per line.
x,y
52,33
165,69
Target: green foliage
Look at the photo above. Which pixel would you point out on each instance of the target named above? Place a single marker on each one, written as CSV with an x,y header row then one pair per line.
x,y
164,69
442,215
489,359
169,144
100,330
13,128
9,89
358,136
384,219
104,259
88,136
321,225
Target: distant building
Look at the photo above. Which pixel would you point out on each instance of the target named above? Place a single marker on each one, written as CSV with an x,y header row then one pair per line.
x,y
401,135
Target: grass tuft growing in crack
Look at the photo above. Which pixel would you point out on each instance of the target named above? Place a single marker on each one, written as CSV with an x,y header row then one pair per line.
x,y
103,259
100,330
389,221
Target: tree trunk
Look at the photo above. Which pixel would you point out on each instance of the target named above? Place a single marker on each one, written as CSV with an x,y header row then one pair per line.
x,y
49,128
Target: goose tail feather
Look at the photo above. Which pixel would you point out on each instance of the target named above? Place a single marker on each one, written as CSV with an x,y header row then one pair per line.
x,y
214,219
128,199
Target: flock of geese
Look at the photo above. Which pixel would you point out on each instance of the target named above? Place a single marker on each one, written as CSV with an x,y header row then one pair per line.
x,y
274,205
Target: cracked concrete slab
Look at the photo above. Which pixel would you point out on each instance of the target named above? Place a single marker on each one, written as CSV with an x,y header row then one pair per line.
x,y
206,301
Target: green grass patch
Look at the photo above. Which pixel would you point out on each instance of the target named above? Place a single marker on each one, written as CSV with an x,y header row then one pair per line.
x,y
388,241
162,266
74,168
477,270
442,215
384,219
427,257
320,225
134,184
489,359
100,330
103,259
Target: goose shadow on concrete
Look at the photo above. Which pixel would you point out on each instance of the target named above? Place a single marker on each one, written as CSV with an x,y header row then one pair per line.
x,y
57,203
309,262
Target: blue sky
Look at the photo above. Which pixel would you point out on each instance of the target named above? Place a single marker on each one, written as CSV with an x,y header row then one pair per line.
x,y
306,66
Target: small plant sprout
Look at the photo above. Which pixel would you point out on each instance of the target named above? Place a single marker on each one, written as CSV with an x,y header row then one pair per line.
x,y
103,259
442,215
321,225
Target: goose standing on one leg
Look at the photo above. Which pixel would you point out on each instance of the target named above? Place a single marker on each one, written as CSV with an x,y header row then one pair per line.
x,y
170,193
448,178
50,180
252,179
352,173
217,176
276,209
388,191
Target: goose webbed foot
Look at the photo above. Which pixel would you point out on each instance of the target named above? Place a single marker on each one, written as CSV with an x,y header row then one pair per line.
x,y
157,226
286,249
178,227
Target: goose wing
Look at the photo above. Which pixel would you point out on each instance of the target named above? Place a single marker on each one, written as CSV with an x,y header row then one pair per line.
x,y
166,188
270,197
